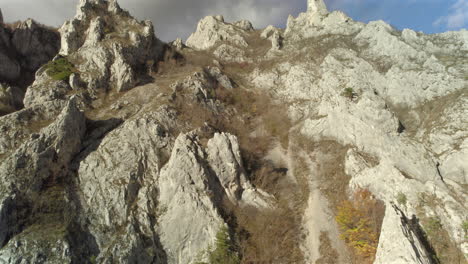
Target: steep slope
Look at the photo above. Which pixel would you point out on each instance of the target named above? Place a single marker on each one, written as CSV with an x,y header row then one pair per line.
x,y
243,146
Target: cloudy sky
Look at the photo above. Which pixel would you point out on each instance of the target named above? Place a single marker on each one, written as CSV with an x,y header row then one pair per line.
x,y
178,18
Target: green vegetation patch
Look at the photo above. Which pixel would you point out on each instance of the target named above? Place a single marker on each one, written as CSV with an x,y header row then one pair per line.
x,y
401,199
60,69
349,93
224,251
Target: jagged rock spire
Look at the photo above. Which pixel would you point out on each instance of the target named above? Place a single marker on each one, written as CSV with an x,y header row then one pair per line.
x,y
316,6
1,16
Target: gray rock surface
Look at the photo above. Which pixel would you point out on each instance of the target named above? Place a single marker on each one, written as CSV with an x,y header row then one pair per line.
x,y
388,71
134,180
36,44
45,89
109,46
118,190
189,219
399,241
212,30
25,48
25,174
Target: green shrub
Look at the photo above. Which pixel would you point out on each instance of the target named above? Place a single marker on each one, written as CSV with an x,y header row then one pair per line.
x,y
465,228
224,251
59,69
349,93
401,199
357,221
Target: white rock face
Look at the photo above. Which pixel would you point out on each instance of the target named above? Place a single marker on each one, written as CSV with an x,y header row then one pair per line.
x,y
128,183
118,189
109,39
225,159
317,6
244,25
189,220
212,30
399,243
386,70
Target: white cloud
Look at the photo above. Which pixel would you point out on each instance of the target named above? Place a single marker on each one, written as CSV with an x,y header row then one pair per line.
x,y
457,18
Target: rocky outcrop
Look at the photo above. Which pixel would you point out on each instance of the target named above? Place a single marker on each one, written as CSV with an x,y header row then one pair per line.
x,y
212,30
400,240
189,218
317,21
225,159
153,174
45,89
109,47
119,190
317,6
379,64
25,48
34,43
25,176
9,67
1,16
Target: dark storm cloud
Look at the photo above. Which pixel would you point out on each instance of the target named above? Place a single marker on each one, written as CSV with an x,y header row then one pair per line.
x,y
171,18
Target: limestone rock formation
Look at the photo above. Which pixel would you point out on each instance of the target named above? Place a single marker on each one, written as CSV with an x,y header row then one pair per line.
x,y
249,139
212,30
187,193
109,47
317,6
25,48
35,43
25,175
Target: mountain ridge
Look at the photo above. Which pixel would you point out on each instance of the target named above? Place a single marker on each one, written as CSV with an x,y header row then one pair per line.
x,y
145,151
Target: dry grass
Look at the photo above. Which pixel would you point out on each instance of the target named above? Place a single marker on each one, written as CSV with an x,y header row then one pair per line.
x,y
328,254
266,236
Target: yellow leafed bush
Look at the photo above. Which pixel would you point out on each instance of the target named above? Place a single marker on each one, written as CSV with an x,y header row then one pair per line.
x,y
359,222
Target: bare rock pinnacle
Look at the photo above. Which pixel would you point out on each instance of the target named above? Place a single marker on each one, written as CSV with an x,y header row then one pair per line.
x,y
317,6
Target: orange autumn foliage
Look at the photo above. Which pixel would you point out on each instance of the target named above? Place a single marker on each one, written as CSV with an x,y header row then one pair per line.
x,y
359,223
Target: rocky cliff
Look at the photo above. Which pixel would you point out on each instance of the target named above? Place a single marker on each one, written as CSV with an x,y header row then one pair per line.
x,y
329,141
24,47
